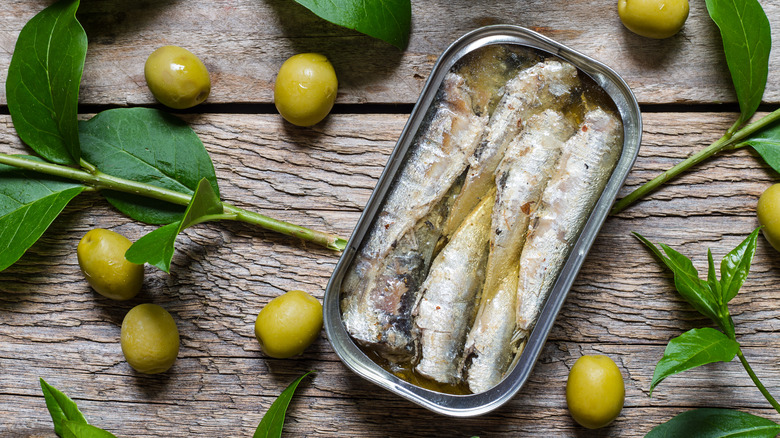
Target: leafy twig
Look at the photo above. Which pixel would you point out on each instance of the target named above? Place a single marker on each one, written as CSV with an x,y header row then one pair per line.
x,y
699,347
738,140
101,181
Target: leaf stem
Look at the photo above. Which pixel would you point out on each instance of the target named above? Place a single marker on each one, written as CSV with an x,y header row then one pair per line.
x,y
101,181
670,174
327,240
757,382
725,142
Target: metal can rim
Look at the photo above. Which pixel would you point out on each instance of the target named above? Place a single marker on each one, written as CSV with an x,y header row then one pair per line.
x,y
478,404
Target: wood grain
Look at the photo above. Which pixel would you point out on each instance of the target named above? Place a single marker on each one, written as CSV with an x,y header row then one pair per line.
x,y
622,304
243,43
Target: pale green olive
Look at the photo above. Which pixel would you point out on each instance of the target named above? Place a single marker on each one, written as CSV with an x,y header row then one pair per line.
x,y
150,339
101,255
305,89
176,77
768,211
288,324
595,391
653,18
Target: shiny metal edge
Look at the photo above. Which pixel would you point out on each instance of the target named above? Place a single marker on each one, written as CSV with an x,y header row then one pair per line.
x,y
478,404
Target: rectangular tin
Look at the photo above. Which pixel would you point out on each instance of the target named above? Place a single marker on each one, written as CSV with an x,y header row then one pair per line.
x,y
477,404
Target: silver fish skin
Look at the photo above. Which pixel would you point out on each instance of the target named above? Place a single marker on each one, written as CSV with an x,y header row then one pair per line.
x,y
489,347
439,156
397,284
544,85
582,173
521,177
444,312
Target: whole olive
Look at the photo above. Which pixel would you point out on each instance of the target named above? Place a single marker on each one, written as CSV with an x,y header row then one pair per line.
x,y
101,255
176,77
149,339
768,211
305,89
653,18
595,391
288,324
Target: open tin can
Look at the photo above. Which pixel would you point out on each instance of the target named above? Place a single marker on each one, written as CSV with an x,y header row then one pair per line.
x,y
476,404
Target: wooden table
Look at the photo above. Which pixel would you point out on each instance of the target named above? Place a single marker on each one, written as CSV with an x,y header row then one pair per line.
x,y
52,325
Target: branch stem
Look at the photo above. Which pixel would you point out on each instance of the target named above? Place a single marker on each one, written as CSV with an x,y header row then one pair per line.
x,y
101,181
757,382
726,142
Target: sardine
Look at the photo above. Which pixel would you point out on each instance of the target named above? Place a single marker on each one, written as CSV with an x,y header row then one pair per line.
x,y
490,345
521,178
396,285
581,175
448,296
375,306
548,84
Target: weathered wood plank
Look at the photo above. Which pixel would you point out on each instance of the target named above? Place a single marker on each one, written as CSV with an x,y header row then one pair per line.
x,y
202,376
226,396
243,42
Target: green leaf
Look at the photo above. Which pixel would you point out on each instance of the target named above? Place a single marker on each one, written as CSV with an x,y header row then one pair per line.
x,y
61,408
74,429
29,203
767,143
735,266
156,248
388,20
273,421
747,41
716,423
205,203
148,146
686,279
43,81
692,349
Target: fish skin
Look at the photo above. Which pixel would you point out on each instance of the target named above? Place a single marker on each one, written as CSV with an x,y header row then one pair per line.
x,y
544,85
521,177
375,308
582,173
489,347
448,296
396,288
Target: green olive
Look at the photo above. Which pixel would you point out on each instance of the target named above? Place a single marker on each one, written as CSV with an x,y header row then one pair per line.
x,y
288,324
653,18
768,211
150,339
101,255
305,89
176,77
595,391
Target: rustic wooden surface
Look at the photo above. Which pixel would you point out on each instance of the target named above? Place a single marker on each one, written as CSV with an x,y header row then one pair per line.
x,y
52,325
